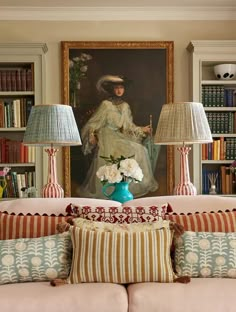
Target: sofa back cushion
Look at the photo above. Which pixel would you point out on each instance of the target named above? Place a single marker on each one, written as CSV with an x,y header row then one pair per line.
x,y
206,222
18,226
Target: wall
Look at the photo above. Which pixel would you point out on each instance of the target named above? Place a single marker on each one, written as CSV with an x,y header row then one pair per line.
x,y
52,33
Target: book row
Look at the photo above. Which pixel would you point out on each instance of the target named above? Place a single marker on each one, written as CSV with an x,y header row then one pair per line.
x,y
215,95
15,112
16,79
17,181
225,181
12,151
220,149
222,122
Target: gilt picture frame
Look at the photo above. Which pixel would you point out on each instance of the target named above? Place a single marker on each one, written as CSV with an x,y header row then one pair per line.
x,y
149,65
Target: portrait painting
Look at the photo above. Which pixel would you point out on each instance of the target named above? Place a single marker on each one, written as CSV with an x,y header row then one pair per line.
x,y
116,90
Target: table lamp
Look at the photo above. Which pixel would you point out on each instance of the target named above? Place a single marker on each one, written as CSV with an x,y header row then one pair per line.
x,y
52,125
183,123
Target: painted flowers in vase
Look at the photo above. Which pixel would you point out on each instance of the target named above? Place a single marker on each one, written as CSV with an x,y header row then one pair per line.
x,y
77,71
118,173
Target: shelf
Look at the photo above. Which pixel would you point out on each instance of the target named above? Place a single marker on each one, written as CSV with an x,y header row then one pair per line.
x,y
17,165
219,82
217,161
16,93
225,135
219,108
12,129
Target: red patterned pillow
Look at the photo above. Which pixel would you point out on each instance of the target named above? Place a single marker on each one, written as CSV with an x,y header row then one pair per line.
x,y
120,214
19,226
206,221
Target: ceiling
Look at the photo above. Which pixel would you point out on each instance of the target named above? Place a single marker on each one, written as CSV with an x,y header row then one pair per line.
x,y
94,10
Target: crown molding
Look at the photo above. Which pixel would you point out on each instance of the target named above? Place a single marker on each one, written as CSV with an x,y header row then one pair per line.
x,y
116,13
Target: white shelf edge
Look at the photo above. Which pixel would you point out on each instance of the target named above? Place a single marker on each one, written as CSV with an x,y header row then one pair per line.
x,y
12,129
17,165
15,93
218,82
219,108
207,162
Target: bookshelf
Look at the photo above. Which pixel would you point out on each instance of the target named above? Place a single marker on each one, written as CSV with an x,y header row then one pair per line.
x,y
22,85
219,100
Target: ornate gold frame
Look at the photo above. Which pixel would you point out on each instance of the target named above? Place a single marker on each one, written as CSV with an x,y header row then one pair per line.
x,y
168,46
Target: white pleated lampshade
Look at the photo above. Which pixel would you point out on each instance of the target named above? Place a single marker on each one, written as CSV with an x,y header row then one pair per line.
x,y
51,124
182,123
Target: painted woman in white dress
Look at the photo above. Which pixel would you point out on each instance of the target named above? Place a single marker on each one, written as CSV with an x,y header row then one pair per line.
x,y
111,131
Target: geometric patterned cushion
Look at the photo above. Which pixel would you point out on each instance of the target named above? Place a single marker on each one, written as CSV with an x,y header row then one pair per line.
x,y
205,254
206,221
119,214
121,257
35,259
29,226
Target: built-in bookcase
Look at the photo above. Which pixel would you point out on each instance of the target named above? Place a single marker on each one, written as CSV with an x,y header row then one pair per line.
x,y
22,81
219,100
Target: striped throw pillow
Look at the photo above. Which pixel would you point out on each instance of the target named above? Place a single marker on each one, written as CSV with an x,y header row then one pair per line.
x,y
29,226
121,257
206,221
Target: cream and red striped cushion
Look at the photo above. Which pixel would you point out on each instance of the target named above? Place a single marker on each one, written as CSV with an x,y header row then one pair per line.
x,y
29,226
121,257
206,221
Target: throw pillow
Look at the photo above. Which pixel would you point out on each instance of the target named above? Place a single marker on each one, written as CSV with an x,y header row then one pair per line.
x,y
206,221
17,226
134,227
35,259
119,214
121,257
205,254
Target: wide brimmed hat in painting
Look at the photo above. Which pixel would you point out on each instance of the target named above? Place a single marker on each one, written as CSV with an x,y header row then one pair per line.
x,y
107,82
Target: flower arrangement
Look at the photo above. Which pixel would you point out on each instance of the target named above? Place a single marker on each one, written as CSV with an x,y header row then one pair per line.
x,y
77,69
119,170
233,167
5,171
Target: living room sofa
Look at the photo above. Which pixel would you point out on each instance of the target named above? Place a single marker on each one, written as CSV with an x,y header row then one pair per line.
x,y
199,295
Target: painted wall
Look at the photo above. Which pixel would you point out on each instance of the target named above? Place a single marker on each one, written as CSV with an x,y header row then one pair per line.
x,y
52,33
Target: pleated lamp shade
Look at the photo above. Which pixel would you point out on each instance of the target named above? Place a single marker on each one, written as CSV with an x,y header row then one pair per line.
x,y
51,124
182,123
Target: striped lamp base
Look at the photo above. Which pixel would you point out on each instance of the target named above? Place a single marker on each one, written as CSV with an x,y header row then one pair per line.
x,y
184,187
52,188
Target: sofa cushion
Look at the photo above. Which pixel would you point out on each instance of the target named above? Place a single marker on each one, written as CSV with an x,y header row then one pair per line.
x,y
201,295
38,297
17,226
121,257
35,259
205,254
206,221
127,214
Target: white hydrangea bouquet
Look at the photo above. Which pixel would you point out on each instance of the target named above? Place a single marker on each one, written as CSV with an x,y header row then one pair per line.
x,y
120,169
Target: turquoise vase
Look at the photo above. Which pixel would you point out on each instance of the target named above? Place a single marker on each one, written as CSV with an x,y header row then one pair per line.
x,y
120,191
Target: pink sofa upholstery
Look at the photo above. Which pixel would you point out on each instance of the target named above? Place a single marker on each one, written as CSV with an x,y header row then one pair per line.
x,y
200,295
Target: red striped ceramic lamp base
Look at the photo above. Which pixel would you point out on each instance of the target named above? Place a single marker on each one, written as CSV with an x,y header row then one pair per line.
x,y
184,187
52,125
52,188
179,124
